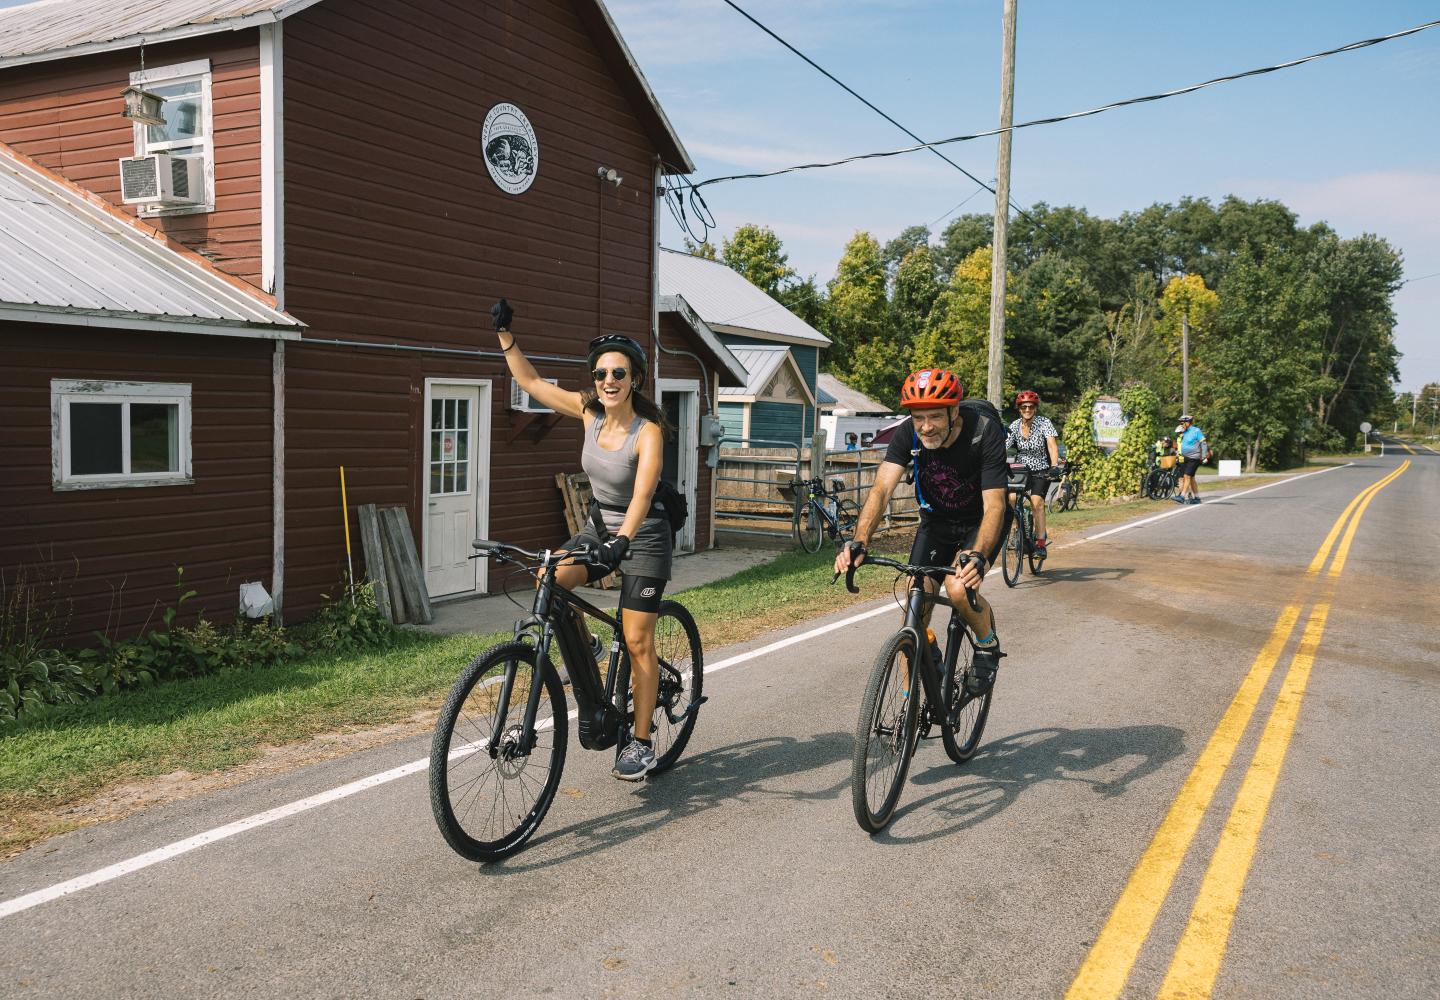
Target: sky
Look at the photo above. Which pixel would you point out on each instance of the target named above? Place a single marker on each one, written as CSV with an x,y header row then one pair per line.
x,y
1353,140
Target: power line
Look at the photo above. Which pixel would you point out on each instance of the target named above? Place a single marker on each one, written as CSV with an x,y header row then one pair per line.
x,y
1421,278
1351,47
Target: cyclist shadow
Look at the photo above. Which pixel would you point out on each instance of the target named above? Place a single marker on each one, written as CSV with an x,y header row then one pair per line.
x,y
1005,769
1076,574
697,783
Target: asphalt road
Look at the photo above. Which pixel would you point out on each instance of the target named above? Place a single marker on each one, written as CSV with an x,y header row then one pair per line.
x,y
1141,761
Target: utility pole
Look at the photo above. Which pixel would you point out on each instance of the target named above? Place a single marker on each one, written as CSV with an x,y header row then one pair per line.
x,y
1185,359
995,386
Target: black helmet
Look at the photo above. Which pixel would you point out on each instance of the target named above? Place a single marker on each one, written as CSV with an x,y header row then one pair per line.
x,y
623,344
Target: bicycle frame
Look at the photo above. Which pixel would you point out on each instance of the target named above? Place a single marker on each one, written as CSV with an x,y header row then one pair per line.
x,y
938,678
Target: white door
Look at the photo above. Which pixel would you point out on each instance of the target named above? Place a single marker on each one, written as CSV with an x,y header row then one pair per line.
x,y
679,398
454,484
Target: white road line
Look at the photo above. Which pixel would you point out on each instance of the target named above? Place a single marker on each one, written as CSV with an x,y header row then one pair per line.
x,y
219,833
1187,508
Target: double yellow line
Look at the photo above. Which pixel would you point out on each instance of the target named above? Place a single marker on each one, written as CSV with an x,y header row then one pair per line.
x,y
1202,946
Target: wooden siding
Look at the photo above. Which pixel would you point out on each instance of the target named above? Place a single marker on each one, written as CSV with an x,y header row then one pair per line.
x,y
395,233
778,422
807,359
66,115
122,545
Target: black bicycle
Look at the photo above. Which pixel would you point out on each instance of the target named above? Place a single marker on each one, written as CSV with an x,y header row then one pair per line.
x,y
499,745
820,512
1159,482
892,721
1020,540
1068,495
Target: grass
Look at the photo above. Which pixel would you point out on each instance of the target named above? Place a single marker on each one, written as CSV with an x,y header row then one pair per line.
x,y
77,754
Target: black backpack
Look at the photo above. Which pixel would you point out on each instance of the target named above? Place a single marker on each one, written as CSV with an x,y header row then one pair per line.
x,y
677,510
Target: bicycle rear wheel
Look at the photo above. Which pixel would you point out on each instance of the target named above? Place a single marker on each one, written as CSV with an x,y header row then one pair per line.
x,y
886,733
964,721
488,806
809,527
1012,553
682,675
1072,495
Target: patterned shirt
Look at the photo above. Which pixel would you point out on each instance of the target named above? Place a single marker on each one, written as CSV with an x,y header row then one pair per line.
x,y
1032,449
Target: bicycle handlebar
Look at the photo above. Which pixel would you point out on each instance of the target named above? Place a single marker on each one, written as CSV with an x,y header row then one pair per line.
x,y
910,570
583,554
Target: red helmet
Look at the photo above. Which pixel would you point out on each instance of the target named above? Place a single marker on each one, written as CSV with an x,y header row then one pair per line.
x,y
1028,396
931,389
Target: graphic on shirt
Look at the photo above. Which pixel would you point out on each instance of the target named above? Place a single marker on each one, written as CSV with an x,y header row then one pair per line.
x,y
944,487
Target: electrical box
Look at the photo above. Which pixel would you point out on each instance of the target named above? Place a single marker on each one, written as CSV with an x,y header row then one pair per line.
x,y
711,430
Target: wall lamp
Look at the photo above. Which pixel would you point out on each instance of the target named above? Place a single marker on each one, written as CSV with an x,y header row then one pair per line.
x,y
609,175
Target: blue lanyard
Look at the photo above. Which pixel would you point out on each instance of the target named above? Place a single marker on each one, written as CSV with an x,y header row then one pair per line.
x,y
915,451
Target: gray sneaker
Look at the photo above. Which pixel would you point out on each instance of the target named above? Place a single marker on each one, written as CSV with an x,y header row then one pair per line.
x,y
634,762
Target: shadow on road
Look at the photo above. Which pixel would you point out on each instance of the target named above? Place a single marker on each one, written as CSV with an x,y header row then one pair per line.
x,y
1076,574
736,772
997,776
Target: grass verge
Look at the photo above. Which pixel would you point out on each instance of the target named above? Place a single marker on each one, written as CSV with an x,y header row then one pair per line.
x,y
99,760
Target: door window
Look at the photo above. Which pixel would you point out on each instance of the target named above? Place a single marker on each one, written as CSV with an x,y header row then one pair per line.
x,y
449,447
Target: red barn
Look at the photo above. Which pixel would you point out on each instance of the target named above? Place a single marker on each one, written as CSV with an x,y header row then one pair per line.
x,y
361,180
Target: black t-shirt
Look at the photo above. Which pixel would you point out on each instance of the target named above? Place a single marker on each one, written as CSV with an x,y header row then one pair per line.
x,y
952,479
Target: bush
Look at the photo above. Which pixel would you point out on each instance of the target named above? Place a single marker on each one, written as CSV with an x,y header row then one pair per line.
x,y
1117,474
352,623
34,672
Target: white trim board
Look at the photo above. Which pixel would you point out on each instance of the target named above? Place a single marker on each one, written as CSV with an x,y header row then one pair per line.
x,y
272,163
479,462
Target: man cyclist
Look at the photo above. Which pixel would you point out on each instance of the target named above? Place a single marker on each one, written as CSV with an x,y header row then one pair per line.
x,y
958,454
1194,449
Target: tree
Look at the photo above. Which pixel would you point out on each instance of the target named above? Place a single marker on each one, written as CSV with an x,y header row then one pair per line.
x,y
913,294
910,238
756,252
961,238
957,334
857,304
1057,327
803,298
1264,359
706,249
1185,297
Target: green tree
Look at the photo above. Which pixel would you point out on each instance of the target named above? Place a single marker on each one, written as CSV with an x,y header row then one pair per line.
x,y
1058,325
756,252
857,302
961,238
913,294
706,249
1264,361
804,299
895,251
957,335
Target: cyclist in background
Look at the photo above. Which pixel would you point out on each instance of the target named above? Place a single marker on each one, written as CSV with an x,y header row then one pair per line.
x,y
1194,449
1036,441
958,456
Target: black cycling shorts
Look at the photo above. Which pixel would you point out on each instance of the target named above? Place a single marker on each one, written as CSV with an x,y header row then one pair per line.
x,y
637,593
937,542
1189,466
1037,484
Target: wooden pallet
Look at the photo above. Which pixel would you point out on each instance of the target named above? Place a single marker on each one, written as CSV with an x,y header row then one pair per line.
x,y
575,493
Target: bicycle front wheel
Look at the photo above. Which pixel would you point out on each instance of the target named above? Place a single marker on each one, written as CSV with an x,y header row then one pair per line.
x,y
682,676
848,512
966,714
809,527
886,733
1013,551
489,803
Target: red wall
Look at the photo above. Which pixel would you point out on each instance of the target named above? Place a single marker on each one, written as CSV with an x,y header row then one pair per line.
x,y
122,546
66,115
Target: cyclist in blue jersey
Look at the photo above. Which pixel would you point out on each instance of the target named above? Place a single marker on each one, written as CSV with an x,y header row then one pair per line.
x,y
1194,450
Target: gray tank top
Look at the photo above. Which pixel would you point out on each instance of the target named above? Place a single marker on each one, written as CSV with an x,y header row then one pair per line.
x,y
612,473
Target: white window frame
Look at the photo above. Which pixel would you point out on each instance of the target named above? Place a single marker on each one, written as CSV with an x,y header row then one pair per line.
x,y
65,391
198,69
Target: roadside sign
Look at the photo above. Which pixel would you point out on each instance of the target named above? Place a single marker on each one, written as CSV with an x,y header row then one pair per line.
x,y
1109,423
1365,427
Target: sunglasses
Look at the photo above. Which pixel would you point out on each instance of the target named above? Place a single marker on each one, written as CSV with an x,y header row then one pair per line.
x,y
1027,406
618,373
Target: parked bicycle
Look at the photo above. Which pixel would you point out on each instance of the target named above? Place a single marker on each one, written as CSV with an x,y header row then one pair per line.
x,y
500,742
892,720
1160,479
820,512
1068,495
1019,542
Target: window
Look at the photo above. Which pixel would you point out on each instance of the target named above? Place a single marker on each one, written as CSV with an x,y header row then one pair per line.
x,y
119,434
187,130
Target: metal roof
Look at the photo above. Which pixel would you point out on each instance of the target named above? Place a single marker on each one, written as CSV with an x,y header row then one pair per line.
x,y
62,29
762,361
846,399
68,257
729,303
731,373
57,29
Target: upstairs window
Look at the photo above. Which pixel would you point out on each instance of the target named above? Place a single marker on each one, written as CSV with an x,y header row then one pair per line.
x,y
188,129
119,433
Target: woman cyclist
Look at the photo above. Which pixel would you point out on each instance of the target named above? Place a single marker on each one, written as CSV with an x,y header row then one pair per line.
x,y
622,455
1034,439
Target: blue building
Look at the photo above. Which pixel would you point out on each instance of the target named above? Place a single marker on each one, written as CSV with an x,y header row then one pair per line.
x,y
779,349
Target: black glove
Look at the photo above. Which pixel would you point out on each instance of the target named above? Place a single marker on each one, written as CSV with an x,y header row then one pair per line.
x,y
501,314
613,551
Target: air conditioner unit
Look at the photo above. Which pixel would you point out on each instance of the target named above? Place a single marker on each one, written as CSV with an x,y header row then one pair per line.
x,y
161,180
520,399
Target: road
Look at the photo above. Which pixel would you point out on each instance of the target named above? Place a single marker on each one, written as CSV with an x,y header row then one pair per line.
x,y
1207,772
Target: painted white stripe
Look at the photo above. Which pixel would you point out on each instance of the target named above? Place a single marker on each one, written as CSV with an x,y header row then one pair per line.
x,y
1187,509
219,833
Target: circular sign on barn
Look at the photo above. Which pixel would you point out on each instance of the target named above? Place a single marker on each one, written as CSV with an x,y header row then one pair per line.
x,y
512,153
